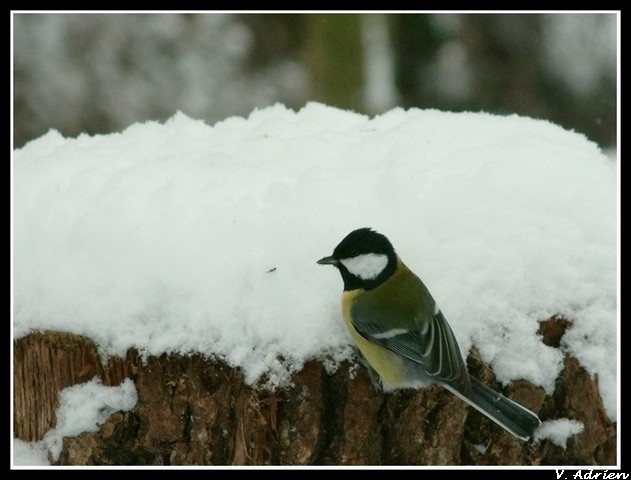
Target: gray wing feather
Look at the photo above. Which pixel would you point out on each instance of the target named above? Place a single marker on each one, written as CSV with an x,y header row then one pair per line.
x,y
432,344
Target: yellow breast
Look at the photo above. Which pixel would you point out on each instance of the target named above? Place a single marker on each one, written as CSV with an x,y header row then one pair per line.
x,y
386,363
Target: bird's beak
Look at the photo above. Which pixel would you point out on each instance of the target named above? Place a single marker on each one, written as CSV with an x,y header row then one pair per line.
x,y
327,261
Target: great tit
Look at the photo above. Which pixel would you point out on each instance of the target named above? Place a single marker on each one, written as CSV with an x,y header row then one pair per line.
x,y
402,333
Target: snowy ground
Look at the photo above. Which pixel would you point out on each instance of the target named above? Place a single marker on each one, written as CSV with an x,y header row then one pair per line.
x,y
183,237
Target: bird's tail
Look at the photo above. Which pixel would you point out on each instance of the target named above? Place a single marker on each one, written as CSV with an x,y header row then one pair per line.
x,y
510,415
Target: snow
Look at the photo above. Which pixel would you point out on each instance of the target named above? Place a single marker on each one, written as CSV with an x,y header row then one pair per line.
x,y
85,407
82,408
29,454
182,237
558,431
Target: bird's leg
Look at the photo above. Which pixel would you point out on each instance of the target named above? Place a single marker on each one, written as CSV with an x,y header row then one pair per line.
x,y
375,379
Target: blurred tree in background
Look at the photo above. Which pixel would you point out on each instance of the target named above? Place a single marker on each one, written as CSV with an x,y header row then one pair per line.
x,y
334,59
99,73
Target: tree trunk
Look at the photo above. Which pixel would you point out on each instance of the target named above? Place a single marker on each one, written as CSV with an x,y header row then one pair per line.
x,y
193,410
334,59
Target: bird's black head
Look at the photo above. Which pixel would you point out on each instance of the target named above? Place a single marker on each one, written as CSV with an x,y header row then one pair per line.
x,y
365,259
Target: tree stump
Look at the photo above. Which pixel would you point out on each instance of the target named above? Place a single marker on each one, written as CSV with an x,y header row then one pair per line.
x,y
193,410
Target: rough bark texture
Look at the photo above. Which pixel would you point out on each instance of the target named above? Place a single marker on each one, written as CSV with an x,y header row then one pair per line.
x,y
197,411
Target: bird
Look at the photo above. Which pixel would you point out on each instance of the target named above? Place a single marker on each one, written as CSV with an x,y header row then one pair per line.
x,y
403,335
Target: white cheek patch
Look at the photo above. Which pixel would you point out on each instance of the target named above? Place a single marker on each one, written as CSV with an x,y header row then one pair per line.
x,y
367,266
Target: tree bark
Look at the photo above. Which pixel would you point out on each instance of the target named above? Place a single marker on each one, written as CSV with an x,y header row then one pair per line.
x,y
193,410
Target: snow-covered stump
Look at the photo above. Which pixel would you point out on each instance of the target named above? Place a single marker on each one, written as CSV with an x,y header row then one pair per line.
x,y
193,410
44,363
182,255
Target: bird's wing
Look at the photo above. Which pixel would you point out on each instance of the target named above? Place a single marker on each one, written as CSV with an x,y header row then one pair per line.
x,y
427,341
